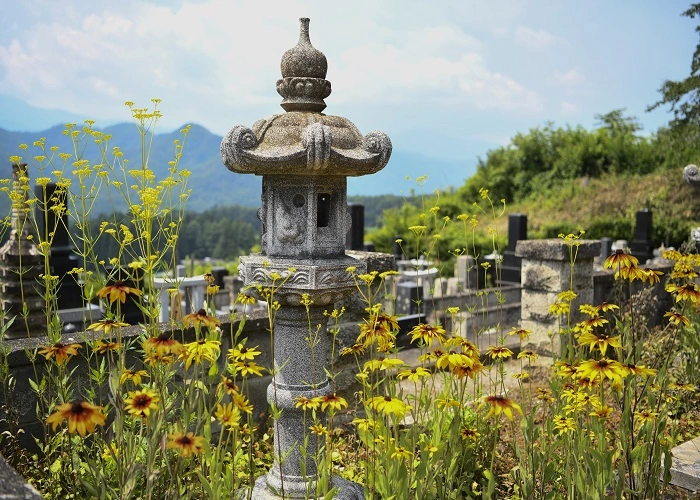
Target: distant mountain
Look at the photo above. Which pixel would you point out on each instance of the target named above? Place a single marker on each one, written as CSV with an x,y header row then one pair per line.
x,y
212,184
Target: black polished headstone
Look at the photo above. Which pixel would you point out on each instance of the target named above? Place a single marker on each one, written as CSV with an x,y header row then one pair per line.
x,y
354,240
511,265
642,246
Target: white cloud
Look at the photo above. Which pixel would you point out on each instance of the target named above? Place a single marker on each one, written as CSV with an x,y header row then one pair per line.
x,y
533,39
216,55
570,78
567,108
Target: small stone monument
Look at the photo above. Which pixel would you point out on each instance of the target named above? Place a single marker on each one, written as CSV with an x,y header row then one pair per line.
x,y
304,158
21,265
691,174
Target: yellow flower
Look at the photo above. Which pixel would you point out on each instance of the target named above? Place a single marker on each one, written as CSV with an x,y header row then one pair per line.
x,y
82,417
364,424
244,299
306,403
117,291
530,355
651,274
242,353
228,414
187,444
677,318
447,403
605,307
246,368
645,416
564,424
588,310
640,370
380,330
388,406
559,308
469,433
106,324
319,430
401,452
460,371
630,273
163,345
140,403
565,369
601,411
382,364
201,350
428,334
599,340
200,318
499,352
521,332
103,347
501,404
620,259
567,296
414,374
242,403
228,386
356,349
62,352
689,292
593,368
132,375
332,401
452,360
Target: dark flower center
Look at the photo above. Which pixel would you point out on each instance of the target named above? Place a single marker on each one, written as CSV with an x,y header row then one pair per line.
x,y
77,409
201,312
185,441
142,400
387,398
164,336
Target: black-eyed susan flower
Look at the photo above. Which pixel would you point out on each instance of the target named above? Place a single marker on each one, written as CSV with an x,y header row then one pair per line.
x,y
589,310
530,355
107,324
163,345
379,330
319,430
589,324
187,444
61,352
559,308
564,424
500,404
200,318
545,395
620,259
520,332
469,433
243,353
652,275
401,453
82,417
640,370
468,348
521,376
414,374
630,273
499,352
118,291
332,401
134,376
443,403
364,424
688,291
567,296
356,349
428,334
599,340
244,299
461,371
228,415
307,403
603,368
388,406
228,386
451,360
606,307
601,411
199,351
382,364
140,403
565,370
677,318
103,347
246,368
645,416
242,403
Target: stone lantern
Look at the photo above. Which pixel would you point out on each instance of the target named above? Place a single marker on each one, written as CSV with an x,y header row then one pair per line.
x,y
304,158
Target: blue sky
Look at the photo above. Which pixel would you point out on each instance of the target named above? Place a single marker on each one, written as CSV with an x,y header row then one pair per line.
x,y
449,79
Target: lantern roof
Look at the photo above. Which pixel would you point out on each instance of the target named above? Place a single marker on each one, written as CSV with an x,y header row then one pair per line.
x,y
304,141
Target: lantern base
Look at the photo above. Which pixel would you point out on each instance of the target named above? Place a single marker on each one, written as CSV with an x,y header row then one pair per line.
x,y
347,490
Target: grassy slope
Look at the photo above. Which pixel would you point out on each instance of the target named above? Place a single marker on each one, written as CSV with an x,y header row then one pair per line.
x,y
578,203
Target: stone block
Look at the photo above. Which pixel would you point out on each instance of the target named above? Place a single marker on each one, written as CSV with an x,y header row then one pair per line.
x,y
556,249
